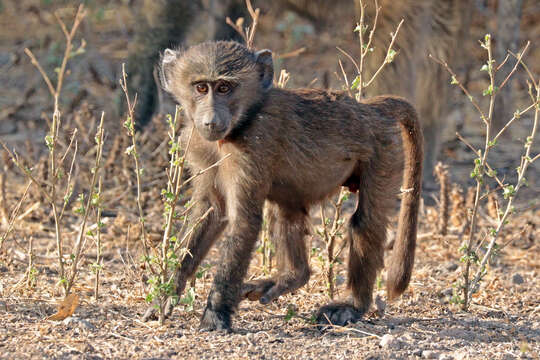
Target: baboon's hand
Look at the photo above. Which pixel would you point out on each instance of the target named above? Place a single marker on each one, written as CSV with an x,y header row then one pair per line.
x,y
152,313
340,314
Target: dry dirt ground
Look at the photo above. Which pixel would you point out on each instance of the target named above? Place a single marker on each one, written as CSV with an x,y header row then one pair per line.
x,y
503,322
504,317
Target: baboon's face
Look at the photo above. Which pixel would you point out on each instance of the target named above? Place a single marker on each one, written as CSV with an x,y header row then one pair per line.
x,y
216,83
213,103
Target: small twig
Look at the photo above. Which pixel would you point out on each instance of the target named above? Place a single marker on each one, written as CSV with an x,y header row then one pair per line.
x,y
525,162
200,172
517,115
30,269
248,34
98,242
3,199
14,215
388,58
519,57
89,205
69,185
291,54
479,154
461,86
130,125
41,71
350,58
345,79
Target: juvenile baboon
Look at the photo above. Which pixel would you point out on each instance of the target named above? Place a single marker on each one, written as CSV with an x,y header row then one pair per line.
x,y
292,148
439,27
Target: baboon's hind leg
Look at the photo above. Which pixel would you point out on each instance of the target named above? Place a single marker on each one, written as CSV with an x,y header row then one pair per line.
x,y
288,229
367,235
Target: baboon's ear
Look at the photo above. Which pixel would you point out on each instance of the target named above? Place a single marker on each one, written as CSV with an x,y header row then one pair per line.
x,y
264,58
168,58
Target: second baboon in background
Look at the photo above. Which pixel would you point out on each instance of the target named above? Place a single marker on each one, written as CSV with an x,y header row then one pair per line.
x,y
293,149
437,27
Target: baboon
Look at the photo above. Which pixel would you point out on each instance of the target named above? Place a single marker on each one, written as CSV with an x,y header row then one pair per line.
x,y
432,27
438,27
506,38
292,148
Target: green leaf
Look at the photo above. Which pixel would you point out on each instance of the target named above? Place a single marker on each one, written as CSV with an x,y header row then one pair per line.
x,y
390,56
291,312
49,141
355,83
509,191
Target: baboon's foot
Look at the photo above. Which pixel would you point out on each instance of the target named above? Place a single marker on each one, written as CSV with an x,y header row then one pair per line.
x,y
338,314
256,290
215,320
152,313
266,290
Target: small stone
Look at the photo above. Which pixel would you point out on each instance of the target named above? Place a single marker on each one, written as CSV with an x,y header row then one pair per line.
x,y
390,342
446,357
417,352
517,279
430,354
78,322
340,279
452,267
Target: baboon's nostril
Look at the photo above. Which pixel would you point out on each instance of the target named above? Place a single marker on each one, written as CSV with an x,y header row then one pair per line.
x,y
210,124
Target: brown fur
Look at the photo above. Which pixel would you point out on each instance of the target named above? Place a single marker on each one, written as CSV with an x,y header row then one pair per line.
x,y
438,27
292,148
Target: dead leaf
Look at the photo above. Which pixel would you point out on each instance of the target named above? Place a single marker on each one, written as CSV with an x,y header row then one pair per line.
x,y
66,308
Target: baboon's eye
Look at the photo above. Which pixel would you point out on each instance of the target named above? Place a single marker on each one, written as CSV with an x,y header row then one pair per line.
x,y
223,88
201,88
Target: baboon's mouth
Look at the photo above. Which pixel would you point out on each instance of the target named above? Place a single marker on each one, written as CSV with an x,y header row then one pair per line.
x,y
214,134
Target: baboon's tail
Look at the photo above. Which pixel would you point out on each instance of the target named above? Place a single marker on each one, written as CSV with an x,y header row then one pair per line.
x,y
402,257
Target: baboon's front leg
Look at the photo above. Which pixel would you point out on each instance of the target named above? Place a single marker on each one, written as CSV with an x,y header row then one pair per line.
x,y
287,230
244,211
201,241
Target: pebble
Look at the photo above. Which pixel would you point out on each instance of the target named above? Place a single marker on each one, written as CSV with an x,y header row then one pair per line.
x,y
517,279
430,354
75,321
390,342
417,352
